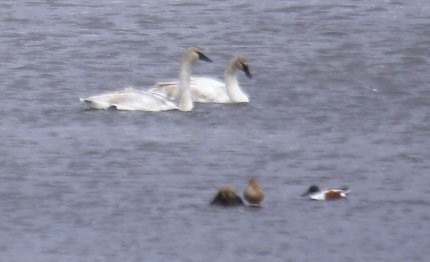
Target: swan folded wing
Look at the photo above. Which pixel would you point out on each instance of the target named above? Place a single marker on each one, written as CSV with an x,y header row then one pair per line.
x,y
141,100
168,90
203,90
208,90
130,99
104,101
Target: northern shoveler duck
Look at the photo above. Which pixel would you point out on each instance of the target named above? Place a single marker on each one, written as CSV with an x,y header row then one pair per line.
x,y
327,194
227,196
254,193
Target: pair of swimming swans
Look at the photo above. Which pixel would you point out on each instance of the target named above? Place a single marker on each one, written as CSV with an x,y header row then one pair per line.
x,y
180,94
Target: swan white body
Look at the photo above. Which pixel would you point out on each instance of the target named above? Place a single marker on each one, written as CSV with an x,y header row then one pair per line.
x,y
130,99
209,90
133,99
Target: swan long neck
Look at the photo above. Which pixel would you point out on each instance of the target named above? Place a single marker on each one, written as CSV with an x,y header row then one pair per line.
x,y
232,85
185,100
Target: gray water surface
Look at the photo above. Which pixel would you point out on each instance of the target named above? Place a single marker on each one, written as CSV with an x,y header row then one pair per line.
x,y
340,96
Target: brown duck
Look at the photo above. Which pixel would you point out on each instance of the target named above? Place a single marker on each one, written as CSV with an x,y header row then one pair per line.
x,y
254,193
227,196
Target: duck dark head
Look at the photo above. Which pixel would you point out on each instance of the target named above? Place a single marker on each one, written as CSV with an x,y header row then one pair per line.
x,y
312,189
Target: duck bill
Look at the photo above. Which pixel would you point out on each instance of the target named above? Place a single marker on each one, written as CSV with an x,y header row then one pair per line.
x,y
203,57
246,71
305,194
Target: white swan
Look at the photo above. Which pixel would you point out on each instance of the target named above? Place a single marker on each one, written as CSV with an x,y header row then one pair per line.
x,y
133,99
208,90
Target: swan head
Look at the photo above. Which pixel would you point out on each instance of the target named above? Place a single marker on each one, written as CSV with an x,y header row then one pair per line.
x,y
194,53
241,63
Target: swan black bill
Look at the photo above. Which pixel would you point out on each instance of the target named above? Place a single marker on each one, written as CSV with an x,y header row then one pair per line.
x,y
246,71
204,57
